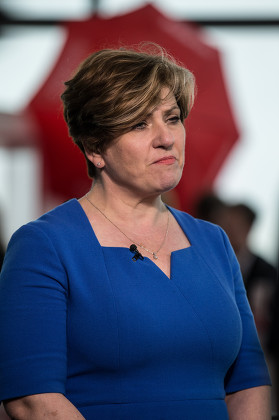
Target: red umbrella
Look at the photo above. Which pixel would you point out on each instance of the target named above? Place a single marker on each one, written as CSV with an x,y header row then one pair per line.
x,y
211,130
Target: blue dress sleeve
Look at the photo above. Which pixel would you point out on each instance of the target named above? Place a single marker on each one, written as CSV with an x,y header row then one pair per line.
x,y
33,296
249,369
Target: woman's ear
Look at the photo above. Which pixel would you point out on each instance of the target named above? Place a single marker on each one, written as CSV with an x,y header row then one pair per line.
x,y
96,159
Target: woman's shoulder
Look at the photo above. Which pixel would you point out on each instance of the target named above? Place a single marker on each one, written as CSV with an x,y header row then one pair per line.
x,y
209,238
195,225
61,221
63,213
52,237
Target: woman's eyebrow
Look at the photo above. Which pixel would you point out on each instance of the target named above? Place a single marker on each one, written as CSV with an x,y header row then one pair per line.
x,y
167,111
170,110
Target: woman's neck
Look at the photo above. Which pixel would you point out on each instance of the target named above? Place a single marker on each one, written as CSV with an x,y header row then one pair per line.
x,y
125,204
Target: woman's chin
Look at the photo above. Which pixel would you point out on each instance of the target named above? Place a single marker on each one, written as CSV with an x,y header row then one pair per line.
x,y
169,183
166,187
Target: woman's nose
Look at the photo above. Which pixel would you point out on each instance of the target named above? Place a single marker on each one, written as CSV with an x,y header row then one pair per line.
x,y
163,137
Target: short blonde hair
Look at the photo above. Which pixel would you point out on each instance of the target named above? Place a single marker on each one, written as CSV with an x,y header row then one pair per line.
x,y
114,89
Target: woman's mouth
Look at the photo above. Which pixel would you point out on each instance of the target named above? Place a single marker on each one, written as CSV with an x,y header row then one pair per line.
x,y
168,160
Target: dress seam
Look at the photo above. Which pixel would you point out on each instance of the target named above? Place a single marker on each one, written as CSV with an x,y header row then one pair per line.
x,y
220,283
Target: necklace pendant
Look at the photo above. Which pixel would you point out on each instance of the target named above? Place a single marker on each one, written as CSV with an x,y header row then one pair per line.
x,y
155,256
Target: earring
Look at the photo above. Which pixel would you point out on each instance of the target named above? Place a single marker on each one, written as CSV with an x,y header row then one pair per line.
x,y
99,163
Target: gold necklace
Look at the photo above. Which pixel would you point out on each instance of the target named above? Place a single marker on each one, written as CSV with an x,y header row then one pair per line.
x,y
154,254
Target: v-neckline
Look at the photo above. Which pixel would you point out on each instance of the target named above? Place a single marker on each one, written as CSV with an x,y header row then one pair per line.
x,y
172,211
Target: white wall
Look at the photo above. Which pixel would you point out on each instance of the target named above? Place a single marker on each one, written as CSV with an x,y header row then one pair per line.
x,y
20,188
251,173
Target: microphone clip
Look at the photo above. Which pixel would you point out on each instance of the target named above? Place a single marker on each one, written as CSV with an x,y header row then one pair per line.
x,y
137,256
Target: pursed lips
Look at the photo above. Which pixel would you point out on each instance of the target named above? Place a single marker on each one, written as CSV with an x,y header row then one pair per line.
x,y
166,160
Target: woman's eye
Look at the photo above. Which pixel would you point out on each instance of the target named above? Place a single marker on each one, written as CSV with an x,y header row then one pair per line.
x,y
175,119
139,126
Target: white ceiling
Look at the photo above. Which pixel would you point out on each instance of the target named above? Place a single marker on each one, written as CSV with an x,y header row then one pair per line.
x,y
190,9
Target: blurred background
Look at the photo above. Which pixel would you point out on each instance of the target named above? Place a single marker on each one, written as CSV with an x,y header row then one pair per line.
x,y
246,35
232,150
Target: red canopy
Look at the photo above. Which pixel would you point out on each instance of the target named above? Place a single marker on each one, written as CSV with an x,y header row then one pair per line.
x,y
211,130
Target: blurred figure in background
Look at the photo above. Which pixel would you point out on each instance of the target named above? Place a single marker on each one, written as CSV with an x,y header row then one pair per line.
x,y
2,253
259,275
211,208
2,248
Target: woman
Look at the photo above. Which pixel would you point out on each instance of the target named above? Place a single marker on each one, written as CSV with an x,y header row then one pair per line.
x,y
115,306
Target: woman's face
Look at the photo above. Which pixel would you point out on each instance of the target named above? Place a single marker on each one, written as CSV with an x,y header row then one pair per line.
x,y
149,159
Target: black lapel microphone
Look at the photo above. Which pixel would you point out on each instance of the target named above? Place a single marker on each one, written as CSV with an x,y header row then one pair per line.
x,y
137,256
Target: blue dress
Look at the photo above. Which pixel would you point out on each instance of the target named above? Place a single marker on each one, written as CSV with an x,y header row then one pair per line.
x,y
117,337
